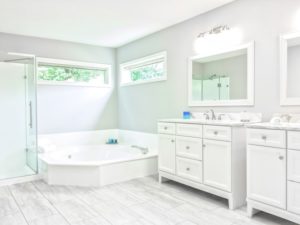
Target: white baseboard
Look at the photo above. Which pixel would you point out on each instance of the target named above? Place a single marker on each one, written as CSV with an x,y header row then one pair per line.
x,y
20,180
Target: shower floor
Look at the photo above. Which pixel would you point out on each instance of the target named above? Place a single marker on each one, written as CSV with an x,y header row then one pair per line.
x,y
17,172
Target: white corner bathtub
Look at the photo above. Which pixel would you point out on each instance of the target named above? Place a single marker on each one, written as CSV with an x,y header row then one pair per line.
x,y
96,165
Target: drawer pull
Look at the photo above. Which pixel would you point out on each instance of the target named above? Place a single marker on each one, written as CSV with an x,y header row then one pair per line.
x,y
172,141
281,157
166,128
264,137
215,132
188,169
187,147
203,145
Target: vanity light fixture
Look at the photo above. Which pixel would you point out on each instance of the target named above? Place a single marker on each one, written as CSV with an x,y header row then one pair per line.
x,y
216,30
219,37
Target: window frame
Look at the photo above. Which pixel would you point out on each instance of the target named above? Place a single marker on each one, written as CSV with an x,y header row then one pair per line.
x,y
76,64
143,62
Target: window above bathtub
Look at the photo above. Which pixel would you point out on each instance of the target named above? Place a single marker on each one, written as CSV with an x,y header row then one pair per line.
x,y
72,73
151,68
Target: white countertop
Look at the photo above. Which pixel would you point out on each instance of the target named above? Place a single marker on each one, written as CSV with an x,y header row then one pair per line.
x,y
206,122
272,126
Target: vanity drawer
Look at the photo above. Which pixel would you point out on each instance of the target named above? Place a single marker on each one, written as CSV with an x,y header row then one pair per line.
x,y
189,147
294,140
190,130
272,138
217,132
166,128
294,165
190,169
293,201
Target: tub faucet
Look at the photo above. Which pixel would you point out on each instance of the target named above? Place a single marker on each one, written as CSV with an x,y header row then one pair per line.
x,y
143,149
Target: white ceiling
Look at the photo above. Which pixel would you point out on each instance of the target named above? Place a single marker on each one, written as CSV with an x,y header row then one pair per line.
x,y
110,23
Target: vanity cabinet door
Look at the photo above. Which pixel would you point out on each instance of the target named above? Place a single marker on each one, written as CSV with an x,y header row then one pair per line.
x,y
217,164
294,165
166,154
294,140
293,204
266,175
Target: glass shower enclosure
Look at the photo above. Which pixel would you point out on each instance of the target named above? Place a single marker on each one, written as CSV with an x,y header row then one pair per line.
x,y
18,126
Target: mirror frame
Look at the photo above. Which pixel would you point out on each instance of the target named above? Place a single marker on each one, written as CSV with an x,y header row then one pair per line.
x,y
250,78
284,99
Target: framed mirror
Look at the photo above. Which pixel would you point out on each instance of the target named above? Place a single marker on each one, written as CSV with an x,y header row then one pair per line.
x,y
224,78
290,69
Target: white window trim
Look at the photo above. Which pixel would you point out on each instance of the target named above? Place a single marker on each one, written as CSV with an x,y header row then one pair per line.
x,y
77,64
140,62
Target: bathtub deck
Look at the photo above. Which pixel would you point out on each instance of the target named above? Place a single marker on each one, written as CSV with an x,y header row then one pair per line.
x,y
138,202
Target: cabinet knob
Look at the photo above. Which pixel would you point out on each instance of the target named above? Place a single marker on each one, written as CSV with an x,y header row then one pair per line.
x,y
203,145
172,141
281,157
166,128
187,147
188,169
264,137
215,132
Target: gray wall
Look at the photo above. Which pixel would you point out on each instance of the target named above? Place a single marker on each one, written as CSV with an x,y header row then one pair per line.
x,y
68,109
261,20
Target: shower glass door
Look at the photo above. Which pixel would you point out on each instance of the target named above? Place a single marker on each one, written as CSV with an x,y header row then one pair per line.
x,y
18,133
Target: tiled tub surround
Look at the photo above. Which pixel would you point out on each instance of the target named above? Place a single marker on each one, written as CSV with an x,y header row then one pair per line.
x,y
273,159
138,202
83,159
207,155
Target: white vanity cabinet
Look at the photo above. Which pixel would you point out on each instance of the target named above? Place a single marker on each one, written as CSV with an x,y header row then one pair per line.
x,y
208,157
273,171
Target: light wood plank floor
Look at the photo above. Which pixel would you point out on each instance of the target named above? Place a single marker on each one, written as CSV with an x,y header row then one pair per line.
x,y
138,202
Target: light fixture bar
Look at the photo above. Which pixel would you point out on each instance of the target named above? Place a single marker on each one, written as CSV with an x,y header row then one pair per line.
x,y
214,30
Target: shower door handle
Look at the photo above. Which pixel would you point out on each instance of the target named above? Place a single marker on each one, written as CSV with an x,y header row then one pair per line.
x,y
30,114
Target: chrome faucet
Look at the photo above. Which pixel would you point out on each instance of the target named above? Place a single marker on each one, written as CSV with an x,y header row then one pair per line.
x,y
206,115
287,117
213,115
220,116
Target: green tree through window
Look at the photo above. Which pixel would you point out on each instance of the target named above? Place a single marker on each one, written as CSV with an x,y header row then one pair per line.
x,y
147,72
71,74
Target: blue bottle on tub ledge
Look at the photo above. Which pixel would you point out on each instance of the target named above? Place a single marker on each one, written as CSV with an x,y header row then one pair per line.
x,y
112,141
